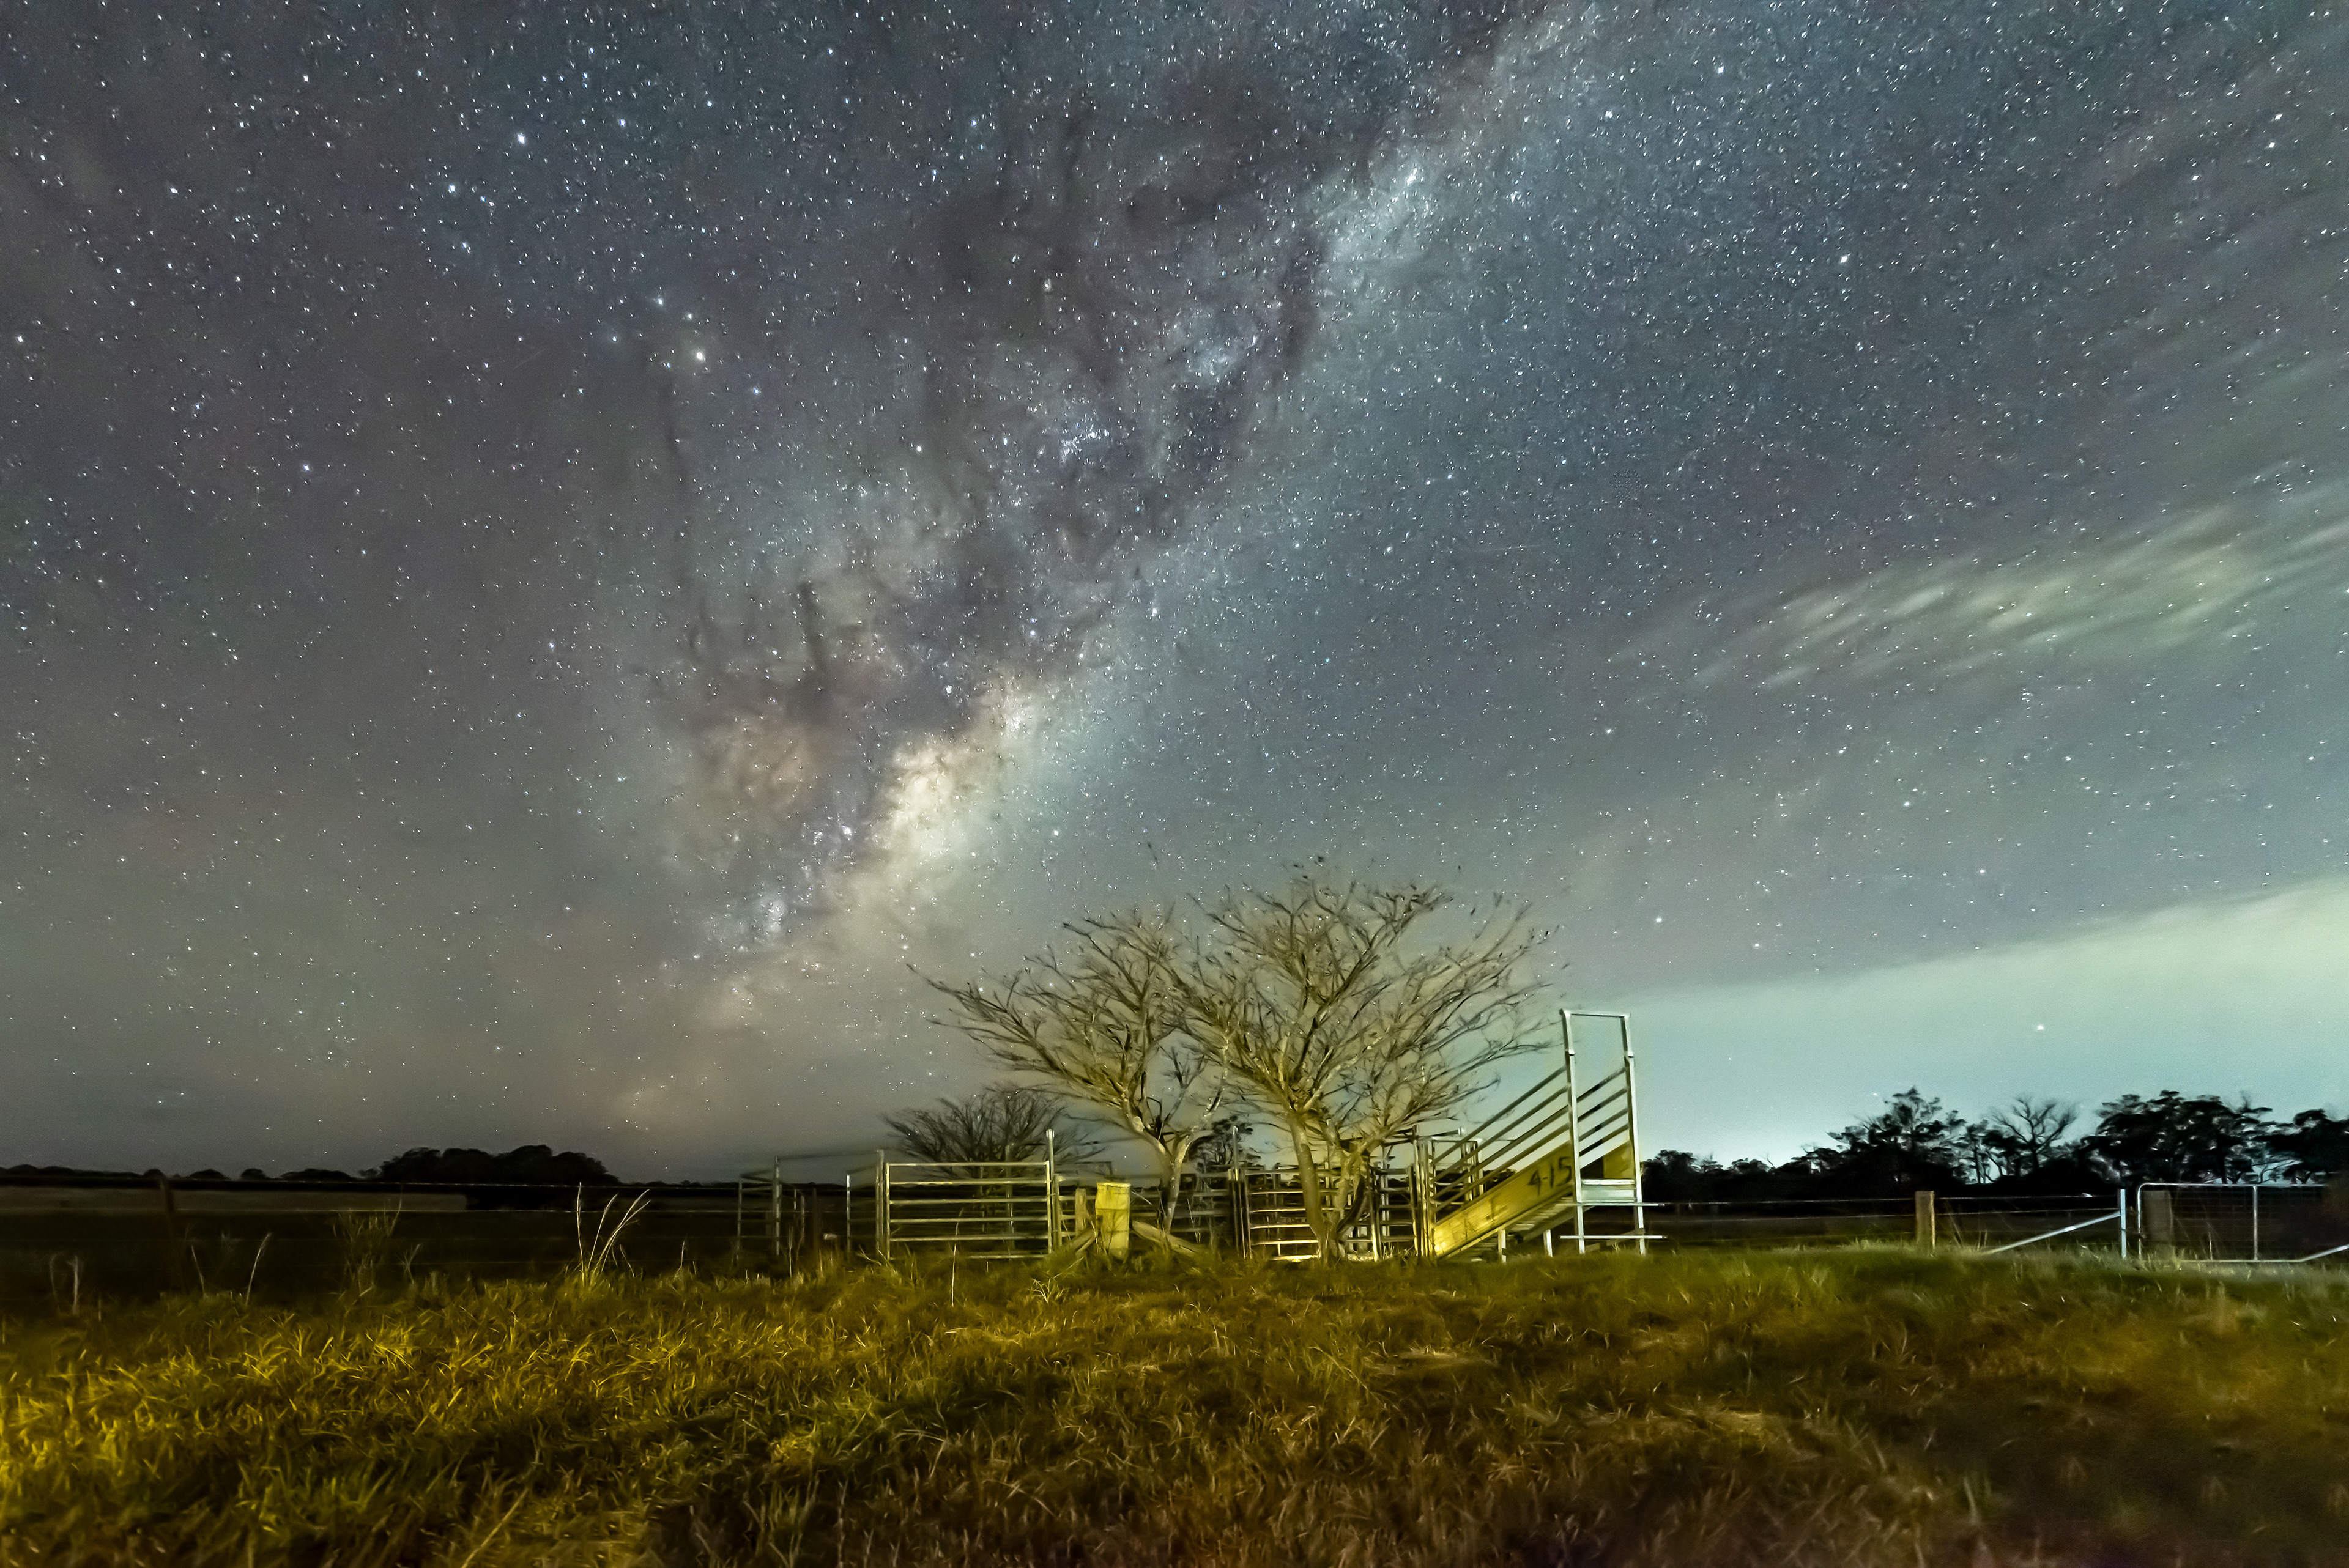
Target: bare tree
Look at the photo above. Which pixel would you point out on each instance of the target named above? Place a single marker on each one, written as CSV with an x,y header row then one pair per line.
x,y
2025,1134
1106,1024
1002,1123
1314,1001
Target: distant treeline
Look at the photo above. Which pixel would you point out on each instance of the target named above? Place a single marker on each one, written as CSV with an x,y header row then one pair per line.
x,y
532,1165
2027,1146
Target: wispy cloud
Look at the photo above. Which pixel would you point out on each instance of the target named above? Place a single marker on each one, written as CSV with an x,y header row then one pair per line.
x,y
2220,577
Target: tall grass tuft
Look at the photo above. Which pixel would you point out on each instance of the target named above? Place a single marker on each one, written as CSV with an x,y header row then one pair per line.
x,y
363,1241
597,1252
1867,1408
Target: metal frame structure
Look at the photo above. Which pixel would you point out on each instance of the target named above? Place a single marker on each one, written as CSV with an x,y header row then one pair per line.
x,y
772,1183
1596,1120
790,1224
1269,1216
2119,1216
1529,1166
1558,1150
2147,1242
974,1208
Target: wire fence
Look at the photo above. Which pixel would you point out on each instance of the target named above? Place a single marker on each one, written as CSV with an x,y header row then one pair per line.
x,y
131,1238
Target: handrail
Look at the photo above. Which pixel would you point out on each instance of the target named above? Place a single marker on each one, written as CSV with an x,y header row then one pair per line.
x,y
1520,1127
1521,1137
1542,1083
1594,1100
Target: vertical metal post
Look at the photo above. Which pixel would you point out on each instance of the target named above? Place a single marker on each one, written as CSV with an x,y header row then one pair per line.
x,y
2123,1212
1631,1131
1244,1239
848,1213
1549,1242
1574,1132
1418,1196
1052,1190
738,1184
2255,1221
775,1211
1420,1190
881,1202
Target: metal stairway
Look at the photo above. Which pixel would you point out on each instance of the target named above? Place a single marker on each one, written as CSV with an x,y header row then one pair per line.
x,y
1547,1160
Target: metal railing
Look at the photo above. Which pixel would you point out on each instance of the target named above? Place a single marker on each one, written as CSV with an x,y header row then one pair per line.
x,y
2118,1217
975,1209
1270,1223
2227,1223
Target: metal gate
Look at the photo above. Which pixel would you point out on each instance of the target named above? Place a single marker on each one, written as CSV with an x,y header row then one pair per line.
x,y
1272,1216
977,1209
2240,1222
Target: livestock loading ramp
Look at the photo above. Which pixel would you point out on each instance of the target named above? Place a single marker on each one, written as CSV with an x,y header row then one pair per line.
x,y
1558,1157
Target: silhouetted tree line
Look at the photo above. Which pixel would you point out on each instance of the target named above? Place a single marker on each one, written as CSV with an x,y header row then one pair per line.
x,y
532,1165
2027,1146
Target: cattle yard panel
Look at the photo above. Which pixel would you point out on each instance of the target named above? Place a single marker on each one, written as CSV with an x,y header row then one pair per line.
x,y
974,1209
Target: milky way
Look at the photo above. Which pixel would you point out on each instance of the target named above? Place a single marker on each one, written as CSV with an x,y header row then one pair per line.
x,y
553,554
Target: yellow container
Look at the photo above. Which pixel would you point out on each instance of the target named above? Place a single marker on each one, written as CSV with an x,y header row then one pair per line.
x,y
1113,1214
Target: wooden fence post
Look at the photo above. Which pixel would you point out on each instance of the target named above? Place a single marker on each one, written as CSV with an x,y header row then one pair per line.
x,y
1925,1216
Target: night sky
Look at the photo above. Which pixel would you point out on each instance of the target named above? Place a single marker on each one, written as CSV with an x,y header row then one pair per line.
x,y
552,552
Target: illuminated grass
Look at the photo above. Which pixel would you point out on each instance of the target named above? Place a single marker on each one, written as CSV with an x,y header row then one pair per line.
x,y
1867,1408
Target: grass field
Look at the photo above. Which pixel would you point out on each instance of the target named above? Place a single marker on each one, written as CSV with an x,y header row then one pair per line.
x,y
1871,1407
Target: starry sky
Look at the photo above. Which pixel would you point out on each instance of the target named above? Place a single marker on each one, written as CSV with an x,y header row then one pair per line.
x,y
555,555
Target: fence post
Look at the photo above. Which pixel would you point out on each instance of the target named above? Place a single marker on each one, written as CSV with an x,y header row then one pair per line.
x,y
1051,1191
1422,1196
880,1203
1242,1240
1114,1212
1924,1217
2123,1212
2157,1222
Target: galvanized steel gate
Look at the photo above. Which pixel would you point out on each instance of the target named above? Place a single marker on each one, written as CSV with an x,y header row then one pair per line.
x,y
1270,1218
974,1209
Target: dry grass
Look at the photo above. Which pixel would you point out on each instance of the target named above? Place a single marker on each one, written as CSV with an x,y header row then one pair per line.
x,y
1869,1407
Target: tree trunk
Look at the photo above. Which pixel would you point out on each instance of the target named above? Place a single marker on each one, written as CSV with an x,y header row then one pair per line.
x,y
1349,1185
1170,1180
1308,1180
